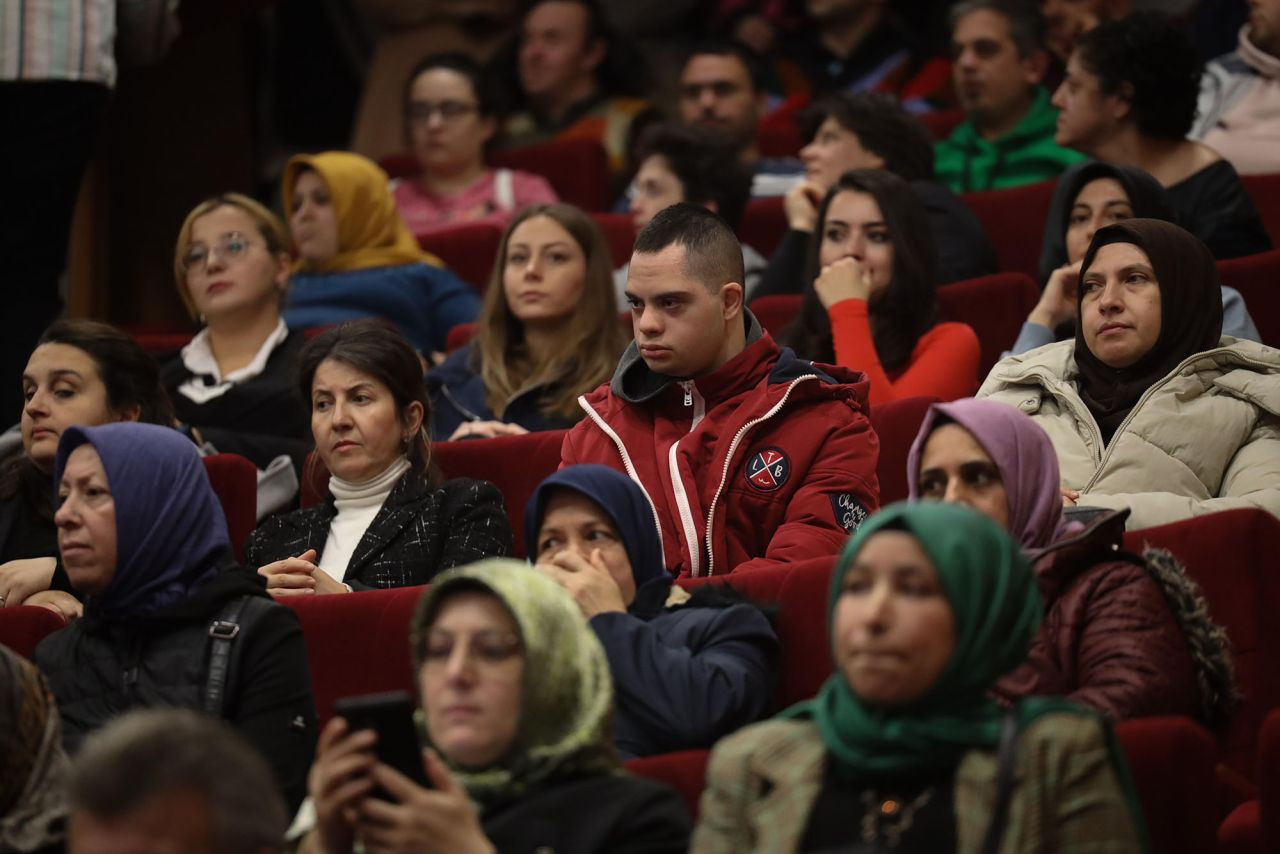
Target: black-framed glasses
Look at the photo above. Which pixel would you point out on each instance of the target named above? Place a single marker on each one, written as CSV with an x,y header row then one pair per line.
x,y
449,110
230,247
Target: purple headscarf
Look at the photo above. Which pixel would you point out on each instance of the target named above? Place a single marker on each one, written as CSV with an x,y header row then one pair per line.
x,y
171,534
1021,451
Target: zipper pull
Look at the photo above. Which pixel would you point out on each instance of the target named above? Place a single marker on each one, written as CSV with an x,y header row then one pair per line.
x,y
688,392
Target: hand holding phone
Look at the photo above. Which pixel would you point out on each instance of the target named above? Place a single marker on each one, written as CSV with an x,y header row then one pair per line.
x,y
390,716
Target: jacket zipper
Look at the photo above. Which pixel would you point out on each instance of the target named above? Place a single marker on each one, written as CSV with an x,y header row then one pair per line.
x,y
627,464
467,414
691,398
728,460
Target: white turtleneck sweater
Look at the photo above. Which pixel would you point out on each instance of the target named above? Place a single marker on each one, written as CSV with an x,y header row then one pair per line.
x,y
357,505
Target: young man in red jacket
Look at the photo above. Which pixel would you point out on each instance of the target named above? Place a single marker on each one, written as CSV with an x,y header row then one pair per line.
x,y
750,456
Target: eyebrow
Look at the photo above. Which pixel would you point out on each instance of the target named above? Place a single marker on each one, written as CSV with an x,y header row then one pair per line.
x,y
363,384
676,295
55,374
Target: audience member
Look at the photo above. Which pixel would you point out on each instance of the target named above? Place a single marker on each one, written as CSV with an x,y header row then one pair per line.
x,y
687,164
388,520
1121,107
233,384
722,88
1125,635
548,332
530,765
357,259
869,130
872,305
1148,408
716,423
687,668
171,780
33,798
1239,111
1086,199
999,61
1067,20
81,373
169,619
451,117
563,51
930,604
860,46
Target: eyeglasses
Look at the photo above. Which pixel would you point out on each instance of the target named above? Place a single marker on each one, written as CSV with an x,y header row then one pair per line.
x,y
231,247
486,647
422,111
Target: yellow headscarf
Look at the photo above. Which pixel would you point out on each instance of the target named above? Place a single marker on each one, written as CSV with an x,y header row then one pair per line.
x,y
370,230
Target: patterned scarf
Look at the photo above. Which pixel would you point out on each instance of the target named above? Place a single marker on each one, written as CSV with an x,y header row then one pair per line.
x,y
33,768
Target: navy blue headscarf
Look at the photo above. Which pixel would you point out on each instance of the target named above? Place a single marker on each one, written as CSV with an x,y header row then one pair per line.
x,y
623,501
171,534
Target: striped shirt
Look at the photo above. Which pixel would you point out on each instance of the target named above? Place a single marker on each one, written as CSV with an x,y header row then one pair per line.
x,y
77,39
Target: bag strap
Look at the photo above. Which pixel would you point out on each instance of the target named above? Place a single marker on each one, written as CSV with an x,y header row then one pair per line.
x,y
223,632
1005,762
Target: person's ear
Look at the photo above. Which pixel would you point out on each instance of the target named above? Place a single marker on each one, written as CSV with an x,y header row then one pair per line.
x,y
413,415
1120,105
731,300
594,55
284,265
1034,66
133,413
712,205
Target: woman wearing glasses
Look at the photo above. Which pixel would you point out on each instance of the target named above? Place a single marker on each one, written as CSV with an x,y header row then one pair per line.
x,y
233,384
450,117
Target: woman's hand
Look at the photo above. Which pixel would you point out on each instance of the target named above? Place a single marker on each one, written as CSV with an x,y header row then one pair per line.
x,y
437,819
486,430
1070,497
293,576
801,205
340,778
1057,302
326,584
22,578
59,602
842,280
587,581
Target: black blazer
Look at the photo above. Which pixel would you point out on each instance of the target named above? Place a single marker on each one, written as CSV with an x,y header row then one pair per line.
x,y
419,531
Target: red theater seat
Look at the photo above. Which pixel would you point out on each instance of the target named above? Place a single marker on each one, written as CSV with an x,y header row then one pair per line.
x,y
1014,220
896,423
162,343
940,123
685,771
1172,759
994,306
1232,556
235,481
1257,278
620,234
764,222
468,250
1265,192
775,312
357,644
22,627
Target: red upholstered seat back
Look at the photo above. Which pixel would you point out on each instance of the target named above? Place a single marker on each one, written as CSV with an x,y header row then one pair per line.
x,y
235,481
468,250
24,626
514,464
162,343
685,771
357,644
940,123
620,233
994,306
775,312
1257,278
1232,556
764,222
1014,220
1269,778
1265,192
1172,759
897,423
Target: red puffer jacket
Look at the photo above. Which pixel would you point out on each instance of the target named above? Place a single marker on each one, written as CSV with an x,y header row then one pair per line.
x,y
1128,636
769,459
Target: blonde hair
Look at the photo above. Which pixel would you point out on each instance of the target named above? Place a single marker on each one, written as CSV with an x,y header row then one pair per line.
x,y
270,226
592,340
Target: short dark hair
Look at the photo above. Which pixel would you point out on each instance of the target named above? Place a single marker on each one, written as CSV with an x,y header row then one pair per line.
x,y
908,308
713,254
883,127
752,61
153,752
1025,19
596,27
373,347
707,165
127,371
1152,55
483,85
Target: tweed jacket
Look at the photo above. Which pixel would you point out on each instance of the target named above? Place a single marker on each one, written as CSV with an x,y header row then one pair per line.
x,y
419,531
1204,438
762,783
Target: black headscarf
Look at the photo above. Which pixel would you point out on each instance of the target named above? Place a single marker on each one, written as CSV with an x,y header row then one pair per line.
x,y
1190,317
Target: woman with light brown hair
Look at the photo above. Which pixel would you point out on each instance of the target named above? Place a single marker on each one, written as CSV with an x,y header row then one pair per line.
x,y
548,332
233,384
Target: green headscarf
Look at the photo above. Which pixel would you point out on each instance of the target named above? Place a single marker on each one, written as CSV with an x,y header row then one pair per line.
x,y
996,608
567,696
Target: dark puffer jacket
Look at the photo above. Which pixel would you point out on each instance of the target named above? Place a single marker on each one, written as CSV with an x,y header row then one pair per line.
x,y
1128,636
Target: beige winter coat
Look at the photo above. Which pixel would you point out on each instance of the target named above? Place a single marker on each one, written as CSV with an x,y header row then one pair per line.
x,y
1204,438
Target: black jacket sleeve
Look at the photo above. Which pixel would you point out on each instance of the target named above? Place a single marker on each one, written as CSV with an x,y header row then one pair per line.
x,y
785,273
688,689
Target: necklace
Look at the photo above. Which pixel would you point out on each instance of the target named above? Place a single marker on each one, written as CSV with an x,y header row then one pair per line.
x,y
889,816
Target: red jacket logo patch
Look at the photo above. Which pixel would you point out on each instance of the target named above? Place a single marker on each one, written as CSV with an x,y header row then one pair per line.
x,y
768,470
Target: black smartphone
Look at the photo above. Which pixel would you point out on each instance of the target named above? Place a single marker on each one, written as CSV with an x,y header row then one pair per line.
x,y
390,715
